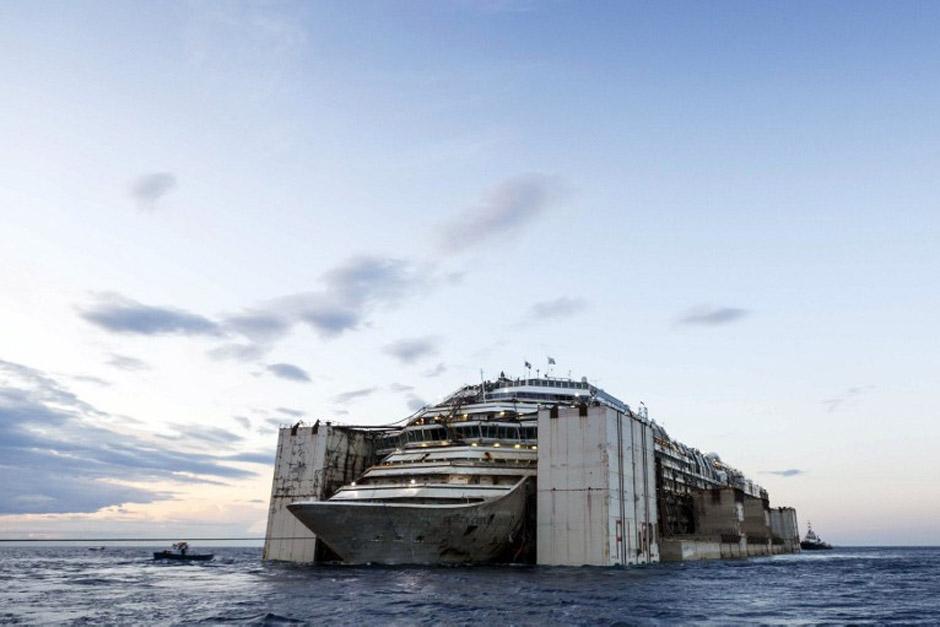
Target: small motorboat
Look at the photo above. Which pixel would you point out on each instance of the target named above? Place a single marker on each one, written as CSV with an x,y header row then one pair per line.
x,y
180,553
96,548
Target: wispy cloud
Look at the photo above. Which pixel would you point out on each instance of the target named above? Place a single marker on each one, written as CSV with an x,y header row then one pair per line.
x,y
242,421
289,372
348,293
288,411
124,362
86,378
436,371
790,472
399,387
353,395
351,290
508,207
713,316
411,350
257,457
849,397
239,352
149,188
215,436
561,307
259,329
258,325
67,459
118,314
253,332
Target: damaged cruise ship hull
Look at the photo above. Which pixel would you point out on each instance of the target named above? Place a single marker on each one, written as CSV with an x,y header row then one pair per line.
x,y
399,533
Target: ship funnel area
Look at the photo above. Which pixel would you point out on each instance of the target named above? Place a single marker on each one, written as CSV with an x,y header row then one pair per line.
x,y
604,486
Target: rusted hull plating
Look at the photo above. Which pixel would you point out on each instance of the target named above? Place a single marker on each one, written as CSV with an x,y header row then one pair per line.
x,y
384,533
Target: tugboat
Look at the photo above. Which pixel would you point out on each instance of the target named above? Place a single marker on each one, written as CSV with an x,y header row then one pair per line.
x,y
180,553
812,542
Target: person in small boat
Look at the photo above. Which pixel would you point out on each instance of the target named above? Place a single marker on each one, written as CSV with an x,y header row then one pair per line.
x,y
182,547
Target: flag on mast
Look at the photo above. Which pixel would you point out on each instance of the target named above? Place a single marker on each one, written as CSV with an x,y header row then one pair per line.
x,y
528,365
551,361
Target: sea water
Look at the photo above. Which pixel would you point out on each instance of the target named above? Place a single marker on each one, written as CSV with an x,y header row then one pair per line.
x,y
123,585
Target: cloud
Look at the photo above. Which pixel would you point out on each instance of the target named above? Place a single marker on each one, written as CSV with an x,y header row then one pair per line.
x,y
436,371
289,372
239,352
790,472
66,458
86,378
295,413
330,320
242,421
149,188
410,350
353,395
258,325
399,387
123,362
201,435
561,307
507,208
849,397
713,316
257,457
350,291
118,314
260,330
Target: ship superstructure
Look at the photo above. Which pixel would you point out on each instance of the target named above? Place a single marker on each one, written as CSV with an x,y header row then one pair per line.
x,y
455,483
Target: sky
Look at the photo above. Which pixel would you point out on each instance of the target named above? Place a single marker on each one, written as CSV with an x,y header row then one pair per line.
x,y
217,218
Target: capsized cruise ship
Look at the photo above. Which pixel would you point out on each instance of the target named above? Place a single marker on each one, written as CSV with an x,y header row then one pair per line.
x,y
456,483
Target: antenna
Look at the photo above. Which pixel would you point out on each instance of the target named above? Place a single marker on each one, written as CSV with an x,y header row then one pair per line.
x,y
482,385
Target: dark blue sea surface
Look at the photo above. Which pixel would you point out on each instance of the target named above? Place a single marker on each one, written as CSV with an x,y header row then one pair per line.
x,y
122,585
